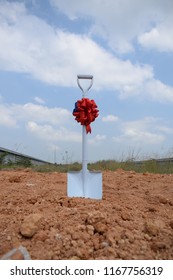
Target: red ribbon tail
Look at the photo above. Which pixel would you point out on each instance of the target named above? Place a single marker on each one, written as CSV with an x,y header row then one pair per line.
x,y
88,128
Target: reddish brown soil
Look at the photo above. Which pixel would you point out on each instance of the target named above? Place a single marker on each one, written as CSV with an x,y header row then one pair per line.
x,y
134,220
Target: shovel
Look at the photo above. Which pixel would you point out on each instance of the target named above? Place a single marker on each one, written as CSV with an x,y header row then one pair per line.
x,y
84,183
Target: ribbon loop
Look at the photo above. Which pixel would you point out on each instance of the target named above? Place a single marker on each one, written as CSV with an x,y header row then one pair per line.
x,y
85,112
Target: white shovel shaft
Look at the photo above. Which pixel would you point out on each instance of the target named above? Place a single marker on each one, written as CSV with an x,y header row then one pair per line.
x,y
84,158
84,149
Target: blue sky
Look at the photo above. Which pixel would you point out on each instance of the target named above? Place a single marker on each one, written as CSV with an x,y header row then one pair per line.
x,y
126,45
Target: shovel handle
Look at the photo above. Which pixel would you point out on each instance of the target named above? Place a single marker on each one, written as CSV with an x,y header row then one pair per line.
x,y
84,77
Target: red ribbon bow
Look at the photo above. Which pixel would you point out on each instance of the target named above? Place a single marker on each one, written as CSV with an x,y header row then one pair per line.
x,y
85,112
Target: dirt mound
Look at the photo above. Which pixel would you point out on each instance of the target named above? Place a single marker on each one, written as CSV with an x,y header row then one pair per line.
x,y
134,220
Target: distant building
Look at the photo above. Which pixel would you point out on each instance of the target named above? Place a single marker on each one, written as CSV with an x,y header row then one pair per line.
x,y
8,156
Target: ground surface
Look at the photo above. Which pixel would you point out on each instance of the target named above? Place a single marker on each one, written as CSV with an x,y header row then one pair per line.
x,y
134,220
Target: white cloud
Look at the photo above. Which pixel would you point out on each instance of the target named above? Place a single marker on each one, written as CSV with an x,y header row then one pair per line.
x,y
39,100
49,133
6,118
13,114
159,38
51,126
98,138
112,20
165,129
158,91
15,10
30,45
56,57
144,132
151,90
110,118
120,23
44,114
144,136
54,148
40,121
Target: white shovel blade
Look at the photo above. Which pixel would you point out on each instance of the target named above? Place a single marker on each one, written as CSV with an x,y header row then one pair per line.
x,y
74,184
92,188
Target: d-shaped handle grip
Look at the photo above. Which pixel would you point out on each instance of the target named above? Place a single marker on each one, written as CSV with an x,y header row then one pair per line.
x,y
85,77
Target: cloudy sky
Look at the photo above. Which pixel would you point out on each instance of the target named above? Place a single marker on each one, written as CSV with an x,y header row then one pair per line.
x,y
127,45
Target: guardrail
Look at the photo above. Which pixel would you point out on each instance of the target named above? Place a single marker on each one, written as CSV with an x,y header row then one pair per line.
x,y
160,160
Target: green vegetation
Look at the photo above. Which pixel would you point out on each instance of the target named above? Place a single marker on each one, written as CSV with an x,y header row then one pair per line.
x,y
25,162
151,166
58,167
2,157
9,164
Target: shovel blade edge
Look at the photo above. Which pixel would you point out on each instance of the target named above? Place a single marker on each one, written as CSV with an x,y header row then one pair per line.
x,y
91,189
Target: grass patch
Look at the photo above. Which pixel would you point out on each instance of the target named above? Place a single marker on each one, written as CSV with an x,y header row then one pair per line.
x,y
151,166
57,167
